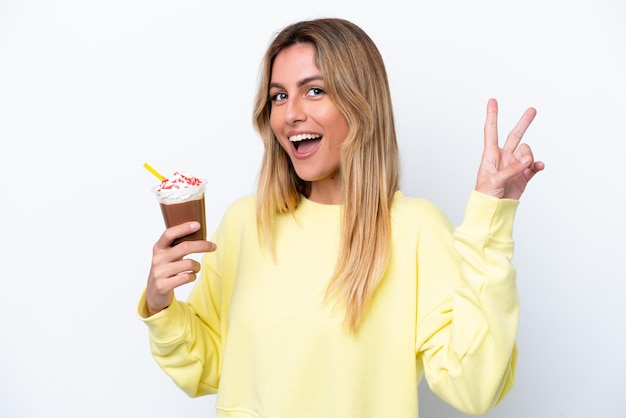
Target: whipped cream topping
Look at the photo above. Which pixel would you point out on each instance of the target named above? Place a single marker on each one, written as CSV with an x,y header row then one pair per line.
x,y
179,181
180,186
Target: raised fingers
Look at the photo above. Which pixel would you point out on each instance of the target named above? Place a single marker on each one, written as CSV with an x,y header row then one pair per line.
x,y
491,124
515,136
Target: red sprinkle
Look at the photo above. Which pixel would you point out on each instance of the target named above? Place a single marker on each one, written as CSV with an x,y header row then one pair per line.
x,y
175,184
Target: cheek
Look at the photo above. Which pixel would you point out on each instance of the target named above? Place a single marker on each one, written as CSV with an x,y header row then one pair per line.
x,y
341,127
276,129
285,146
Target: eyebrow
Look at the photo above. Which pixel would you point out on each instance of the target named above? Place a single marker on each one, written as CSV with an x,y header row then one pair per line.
x,y
301,82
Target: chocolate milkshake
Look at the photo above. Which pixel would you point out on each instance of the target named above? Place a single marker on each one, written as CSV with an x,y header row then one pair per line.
x,y
182,199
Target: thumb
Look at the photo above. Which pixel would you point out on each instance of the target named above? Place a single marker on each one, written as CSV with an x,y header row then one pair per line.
x,y
518,167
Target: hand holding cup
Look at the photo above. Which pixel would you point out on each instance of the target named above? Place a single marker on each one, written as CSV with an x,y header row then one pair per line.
x,y
170,268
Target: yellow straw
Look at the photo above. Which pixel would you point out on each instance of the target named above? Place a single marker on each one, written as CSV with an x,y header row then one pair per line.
x,y
153,171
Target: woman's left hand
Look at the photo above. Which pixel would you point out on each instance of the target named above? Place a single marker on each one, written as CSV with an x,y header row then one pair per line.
x,y
505,172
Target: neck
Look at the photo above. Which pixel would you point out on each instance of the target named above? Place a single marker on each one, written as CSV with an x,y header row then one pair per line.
x,y
327,191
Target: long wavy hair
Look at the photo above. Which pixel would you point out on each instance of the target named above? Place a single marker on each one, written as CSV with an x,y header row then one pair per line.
x,y
356,81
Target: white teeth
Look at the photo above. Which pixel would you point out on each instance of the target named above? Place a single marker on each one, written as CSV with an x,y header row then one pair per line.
x,y
302,137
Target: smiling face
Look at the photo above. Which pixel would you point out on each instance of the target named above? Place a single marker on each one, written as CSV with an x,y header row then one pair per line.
x,y
306,122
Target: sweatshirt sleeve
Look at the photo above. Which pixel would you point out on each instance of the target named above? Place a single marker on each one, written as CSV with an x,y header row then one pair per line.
x,y
186,339
468,325
185,345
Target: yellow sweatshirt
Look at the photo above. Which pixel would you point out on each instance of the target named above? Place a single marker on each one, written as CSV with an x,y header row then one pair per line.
x,y
258,333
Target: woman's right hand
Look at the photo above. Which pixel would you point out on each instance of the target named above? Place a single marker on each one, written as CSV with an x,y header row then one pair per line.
x,y
169,268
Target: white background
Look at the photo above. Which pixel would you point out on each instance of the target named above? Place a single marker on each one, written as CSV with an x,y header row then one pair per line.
x,y
90,90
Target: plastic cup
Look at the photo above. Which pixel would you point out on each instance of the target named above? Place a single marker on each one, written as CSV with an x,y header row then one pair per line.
x,y
183,205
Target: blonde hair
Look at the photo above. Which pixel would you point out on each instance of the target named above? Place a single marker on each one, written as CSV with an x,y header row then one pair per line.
x,y
356,80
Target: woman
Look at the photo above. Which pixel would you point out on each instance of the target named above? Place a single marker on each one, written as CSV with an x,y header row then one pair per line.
x,y
330,293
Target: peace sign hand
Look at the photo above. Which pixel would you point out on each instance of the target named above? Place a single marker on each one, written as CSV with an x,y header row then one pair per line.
x,y
505,172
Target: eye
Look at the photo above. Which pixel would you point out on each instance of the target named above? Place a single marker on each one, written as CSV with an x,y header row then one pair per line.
x,y
315,92
278,97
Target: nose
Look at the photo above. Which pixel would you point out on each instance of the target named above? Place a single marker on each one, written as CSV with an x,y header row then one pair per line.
x,y
294,111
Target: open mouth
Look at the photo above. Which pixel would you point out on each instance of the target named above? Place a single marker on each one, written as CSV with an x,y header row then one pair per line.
x,y
304,143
